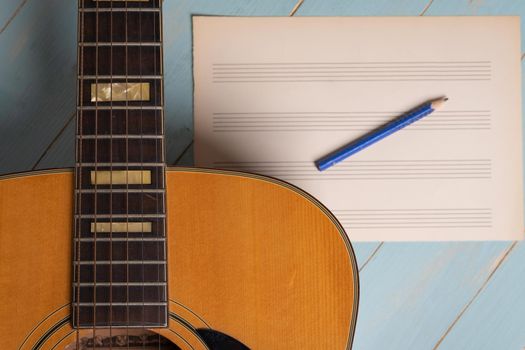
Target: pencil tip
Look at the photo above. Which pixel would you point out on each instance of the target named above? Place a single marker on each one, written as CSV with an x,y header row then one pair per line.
x,y
438,102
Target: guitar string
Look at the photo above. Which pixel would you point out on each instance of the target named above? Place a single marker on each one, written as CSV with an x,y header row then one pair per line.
x,y
163,150
78,175
155,28
141,168
127,175
111,175
96,176
111,160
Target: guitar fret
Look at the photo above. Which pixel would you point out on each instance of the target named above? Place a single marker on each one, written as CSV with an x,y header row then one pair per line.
x,y
122,304
121,250
122,262
120,26
121,150
119,136
119,107
130,122
121,164
135,317
121,273
119,284
141,4
119,9
122,239
119,43
120,61
119,216
121,203
121,190
121,294
119,77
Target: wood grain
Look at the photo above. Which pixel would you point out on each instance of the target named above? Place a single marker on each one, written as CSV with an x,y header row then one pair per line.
x,y
280,276
495,318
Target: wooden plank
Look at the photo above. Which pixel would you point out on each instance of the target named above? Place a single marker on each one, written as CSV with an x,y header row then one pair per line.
x,y
186,157
362,8
496,319
61,153
10,10
38,55
493,319
410,293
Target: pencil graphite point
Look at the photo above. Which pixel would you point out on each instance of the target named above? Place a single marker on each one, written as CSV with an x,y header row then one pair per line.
x,y
437,103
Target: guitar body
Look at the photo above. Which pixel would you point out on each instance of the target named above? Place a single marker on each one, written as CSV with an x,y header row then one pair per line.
x,y
252,263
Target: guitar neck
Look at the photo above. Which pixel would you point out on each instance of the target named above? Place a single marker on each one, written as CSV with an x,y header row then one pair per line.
x,y
120,252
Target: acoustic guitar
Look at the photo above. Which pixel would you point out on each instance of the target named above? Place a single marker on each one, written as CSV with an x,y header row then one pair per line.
x,y
126,253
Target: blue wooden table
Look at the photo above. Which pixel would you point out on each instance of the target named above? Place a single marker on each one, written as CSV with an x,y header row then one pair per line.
x,y
413,295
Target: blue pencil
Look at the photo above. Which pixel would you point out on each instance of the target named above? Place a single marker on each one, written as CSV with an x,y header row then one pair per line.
x,y
379,134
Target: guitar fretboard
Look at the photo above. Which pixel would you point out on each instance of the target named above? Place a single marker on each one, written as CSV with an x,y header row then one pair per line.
x,y
120,223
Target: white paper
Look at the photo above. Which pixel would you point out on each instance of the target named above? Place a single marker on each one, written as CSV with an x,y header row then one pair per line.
x,y
272,95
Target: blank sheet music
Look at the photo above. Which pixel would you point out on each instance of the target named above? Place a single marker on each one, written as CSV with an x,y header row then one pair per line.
x,y
272,95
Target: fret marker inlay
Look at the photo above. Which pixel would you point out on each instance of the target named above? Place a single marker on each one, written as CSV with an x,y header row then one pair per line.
x,y
121,177
107,92
132,227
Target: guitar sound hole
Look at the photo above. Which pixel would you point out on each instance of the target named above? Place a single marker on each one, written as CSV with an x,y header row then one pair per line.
x,y
122,339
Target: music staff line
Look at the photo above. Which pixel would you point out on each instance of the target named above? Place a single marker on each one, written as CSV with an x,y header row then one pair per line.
x,y
344,121
350,71
415,218
378,170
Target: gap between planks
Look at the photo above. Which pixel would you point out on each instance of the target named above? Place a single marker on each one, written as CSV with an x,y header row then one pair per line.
x,y
183,153
54,141
426,8
12,17
295,8
478,292
371,256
